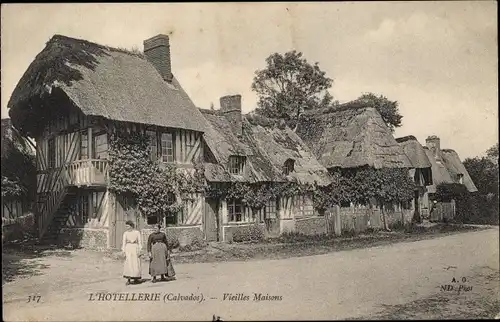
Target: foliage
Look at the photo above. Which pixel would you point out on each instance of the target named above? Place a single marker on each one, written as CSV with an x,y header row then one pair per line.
x,y
289,85
18,167
248,233
484,173
359,185
492,152
12,189
388,109
156,189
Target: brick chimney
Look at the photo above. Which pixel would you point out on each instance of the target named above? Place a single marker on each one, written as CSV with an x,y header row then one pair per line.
x,y
230,107
157,52
434,144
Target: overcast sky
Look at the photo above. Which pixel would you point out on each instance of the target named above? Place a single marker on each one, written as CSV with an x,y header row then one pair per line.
x,y
438,59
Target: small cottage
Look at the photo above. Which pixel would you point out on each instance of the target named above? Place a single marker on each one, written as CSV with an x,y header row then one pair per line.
x,y
421,172
251,149
71,100
349,138
446,168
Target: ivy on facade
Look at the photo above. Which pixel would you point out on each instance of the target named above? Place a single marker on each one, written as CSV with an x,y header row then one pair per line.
x,y
162,188
155,188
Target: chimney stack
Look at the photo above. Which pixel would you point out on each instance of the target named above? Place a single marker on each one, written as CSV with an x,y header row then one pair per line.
x,y
230,107
157,52
434,144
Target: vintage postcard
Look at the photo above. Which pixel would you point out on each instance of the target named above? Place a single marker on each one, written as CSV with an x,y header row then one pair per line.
x,y
250,161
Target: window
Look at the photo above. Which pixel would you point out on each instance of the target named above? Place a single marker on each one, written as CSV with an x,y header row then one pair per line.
x,y
460,178
288,167
84,148
270,209
171,219
153,220
101,146
51,147
236,164
235,210
305,206
167,147
153,145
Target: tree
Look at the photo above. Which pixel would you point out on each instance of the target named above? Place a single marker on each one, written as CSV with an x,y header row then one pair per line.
x,y
388,109
18,165
484,173
492,153
289,85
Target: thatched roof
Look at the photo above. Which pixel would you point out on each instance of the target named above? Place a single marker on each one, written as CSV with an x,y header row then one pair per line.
x,y
266,144
455,168
102,81
351,137
416,155
415,152
447,169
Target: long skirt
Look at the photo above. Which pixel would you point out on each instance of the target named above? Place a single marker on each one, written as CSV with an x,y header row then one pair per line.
x,y
159,255
132,266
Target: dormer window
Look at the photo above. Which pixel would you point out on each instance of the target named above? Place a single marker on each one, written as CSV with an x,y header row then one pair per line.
x,y
288,167
236,164
460,178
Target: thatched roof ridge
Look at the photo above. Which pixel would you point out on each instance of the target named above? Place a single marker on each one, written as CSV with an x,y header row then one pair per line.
x,y
266,145
406,138
351,136
102,81
415,152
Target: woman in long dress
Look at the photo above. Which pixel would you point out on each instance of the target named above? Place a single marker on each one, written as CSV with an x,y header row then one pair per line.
x,y
160,256
132,246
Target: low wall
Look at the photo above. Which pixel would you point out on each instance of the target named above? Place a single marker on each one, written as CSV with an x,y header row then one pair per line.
x,y
176,236
244,232
88,238
287,225
311,226
19,228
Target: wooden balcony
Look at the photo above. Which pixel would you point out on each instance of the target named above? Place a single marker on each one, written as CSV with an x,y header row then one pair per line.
x,y
91,172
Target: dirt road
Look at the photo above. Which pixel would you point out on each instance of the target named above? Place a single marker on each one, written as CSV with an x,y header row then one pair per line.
x,y
348,284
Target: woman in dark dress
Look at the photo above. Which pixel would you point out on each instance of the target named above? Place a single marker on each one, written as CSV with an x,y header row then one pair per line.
x,y
160,256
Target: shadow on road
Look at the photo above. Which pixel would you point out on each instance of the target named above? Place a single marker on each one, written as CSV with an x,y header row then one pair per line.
x,y
25,260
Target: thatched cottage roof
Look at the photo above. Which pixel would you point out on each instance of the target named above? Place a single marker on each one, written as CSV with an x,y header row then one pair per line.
x,y
455,168
416,155
102,81
266,144
447,169
351,137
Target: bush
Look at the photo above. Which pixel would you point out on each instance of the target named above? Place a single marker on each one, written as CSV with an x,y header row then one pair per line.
x,y
248,233
172,241
196,244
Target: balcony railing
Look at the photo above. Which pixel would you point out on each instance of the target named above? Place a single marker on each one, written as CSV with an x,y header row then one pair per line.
x,y
87,172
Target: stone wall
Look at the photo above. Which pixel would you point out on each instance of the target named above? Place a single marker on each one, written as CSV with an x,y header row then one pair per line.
x,y
311,226
245,232
287,225
87,238
18,229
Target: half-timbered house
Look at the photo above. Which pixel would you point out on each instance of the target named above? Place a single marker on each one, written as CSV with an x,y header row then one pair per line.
x,y
253,149
71,98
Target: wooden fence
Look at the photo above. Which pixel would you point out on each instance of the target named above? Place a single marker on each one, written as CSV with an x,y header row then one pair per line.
x,y
443,211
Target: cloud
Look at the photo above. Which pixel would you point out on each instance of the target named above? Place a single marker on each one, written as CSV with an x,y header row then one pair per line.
x,y
207,82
